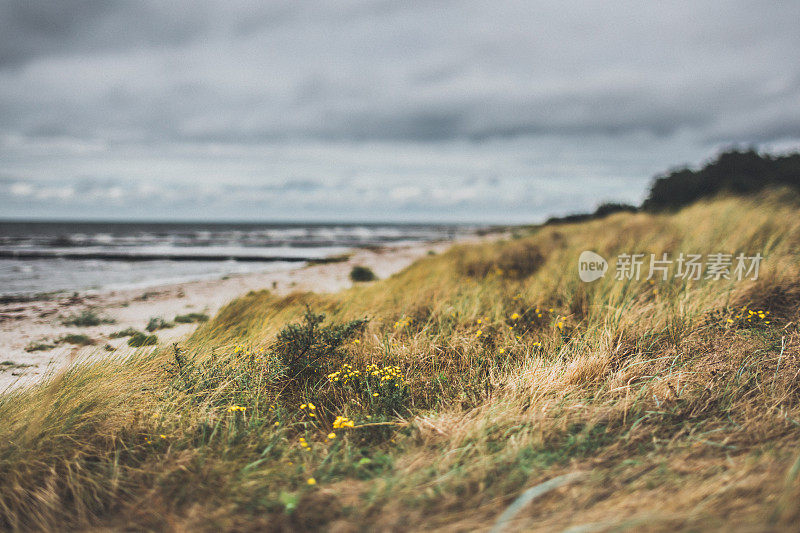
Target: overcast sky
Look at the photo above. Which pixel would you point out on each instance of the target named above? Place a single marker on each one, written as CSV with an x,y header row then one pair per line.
x,y
378,110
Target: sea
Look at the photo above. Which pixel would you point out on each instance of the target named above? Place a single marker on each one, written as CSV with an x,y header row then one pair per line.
x,y
38,258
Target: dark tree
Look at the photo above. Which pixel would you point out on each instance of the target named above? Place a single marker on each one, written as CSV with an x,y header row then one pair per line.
x,y
734,171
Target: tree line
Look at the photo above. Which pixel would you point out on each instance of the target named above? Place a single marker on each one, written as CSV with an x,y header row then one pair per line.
x,y
733,171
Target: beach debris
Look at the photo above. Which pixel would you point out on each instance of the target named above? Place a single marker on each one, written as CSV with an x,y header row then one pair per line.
x,y
531,494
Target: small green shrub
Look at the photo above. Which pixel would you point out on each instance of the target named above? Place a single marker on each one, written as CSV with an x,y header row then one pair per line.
x,y
139,339
293,364
39,347
77,339
124,333
11,365
362,273
156,323
86,318
305,350
191,317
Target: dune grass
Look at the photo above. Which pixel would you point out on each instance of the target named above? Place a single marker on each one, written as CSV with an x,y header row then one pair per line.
x,y
433,398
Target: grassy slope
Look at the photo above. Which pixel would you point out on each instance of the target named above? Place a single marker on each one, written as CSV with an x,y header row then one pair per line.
x,y
681,418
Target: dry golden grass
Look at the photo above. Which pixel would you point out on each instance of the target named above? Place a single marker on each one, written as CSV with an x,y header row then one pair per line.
x,y
516,372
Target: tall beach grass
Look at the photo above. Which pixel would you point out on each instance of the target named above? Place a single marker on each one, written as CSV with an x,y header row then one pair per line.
x,y
433,398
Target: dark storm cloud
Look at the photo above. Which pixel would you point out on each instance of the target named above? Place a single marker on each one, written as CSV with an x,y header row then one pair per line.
x,y
244,71
30,29
321,99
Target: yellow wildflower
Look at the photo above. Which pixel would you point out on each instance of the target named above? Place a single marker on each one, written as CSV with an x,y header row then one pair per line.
x,y
342,422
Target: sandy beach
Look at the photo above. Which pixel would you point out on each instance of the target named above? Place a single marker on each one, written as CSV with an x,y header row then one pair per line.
x,y
25,324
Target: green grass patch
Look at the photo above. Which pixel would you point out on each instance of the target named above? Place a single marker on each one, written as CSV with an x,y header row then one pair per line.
x,y
78,339
191,317
39,346
156,323
139,339
127,332
86,318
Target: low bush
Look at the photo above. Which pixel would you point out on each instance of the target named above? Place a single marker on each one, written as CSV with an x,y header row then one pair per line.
x,y
86,318
306,350
362,274
157,323
124,333
190,317
40,346
76,338
139,339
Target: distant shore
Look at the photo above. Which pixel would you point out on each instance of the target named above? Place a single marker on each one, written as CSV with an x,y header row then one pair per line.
x,y
26,324
129,256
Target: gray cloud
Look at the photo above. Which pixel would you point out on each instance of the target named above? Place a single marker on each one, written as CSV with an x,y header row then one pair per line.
x,y
495,180
85,84
32,29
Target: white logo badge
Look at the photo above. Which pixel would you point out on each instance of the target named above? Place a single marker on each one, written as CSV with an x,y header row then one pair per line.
x,y
591,266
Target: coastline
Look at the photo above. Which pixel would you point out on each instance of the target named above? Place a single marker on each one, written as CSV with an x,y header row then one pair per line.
x,y
23,323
